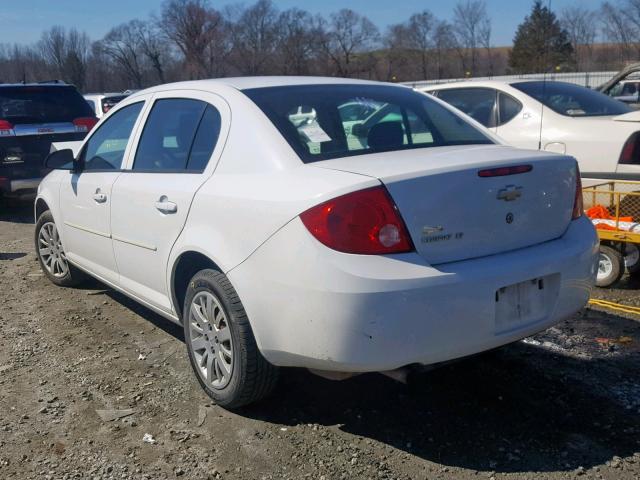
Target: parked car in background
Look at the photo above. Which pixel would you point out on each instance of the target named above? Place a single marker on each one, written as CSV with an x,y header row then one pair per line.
x,y
602,133
277,243
624,86
627,91
32,116
101,103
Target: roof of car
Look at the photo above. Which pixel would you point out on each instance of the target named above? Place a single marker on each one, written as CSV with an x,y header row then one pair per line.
x,y
470,83
53,83
245,83
484,83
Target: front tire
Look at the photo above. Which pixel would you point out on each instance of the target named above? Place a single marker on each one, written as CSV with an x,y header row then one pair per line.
x,y
51,256
220,343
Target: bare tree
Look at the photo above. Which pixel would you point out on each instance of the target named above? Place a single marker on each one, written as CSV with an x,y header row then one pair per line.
x,y
296,41
195,27
472,28
420,29
581,24
348,36
255,38
67,53
444,43
398,52
53,46
153,46
122,45
22,63
621,26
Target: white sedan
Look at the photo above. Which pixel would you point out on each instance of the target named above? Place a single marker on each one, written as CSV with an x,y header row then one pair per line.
x,y
277,243
602,133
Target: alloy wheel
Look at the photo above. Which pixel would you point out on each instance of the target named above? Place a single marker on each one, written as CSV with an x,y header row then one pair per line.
x,y
210,339
51,251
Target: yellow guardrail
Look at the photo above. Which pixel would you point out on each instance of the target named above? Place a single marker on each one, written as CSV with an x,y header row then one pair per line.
x,y
615,306
620,201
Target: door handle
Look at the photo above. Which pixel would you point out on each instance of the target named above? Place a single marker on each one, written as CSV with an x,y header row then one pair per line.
x,y
100,197
165,206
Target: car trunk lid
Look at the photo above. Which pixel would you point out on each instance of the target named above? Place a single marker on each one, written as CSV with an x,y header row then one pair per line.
x,y
453,214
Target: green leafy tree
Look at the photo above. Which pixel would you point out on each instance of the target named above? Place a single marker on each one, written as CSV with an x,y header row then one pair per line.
x,y
540,44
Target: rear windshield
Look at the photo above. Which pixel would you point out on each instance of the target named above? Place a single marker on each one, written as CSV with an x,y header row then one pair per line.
x,y
572,100
322,122
42,104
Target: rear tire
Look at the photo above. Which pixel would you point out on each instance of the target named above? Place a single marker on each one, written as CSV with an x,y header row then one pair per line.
x,y
610,266
51,255
222,349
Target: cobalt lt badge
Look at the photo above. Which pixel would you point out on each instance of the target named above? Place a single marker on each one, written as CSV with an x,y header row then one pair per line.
x,y
509,218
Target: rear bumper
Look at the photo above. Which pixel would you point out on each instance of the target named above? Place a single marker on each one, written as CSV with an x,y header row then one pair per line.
x,y
19,188
313,307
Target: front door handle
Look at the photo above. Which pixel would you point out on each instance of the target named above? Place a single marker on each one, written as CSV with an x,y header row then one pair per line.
x,y
165,206
99,197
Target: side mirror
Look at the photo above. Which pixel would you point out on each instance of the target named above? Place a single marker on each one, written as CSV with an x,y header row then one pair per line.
x,y
61,160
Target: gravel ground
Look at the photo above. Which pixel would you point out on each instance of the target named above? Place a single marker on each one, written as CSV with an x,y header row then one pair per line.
x,y
562,404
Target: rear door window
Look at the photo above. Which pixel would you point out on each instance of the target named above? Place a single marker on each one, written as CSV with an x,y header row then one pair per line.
x,y
180,135
478,103
42,104
168,134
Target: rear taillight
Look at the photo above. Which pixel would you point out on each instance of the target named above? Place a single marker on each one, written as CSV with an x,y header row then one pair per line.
x,y
85,124
578,207
6,128
365,222
630,152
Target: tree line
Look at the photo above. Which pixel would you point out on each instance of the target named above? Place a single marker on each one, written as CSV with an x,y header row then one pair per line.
x,y
191,39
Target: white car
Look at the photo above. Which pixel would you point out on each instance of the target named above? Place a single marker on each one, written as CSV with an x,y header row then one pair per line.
x,y
283,245
600,132
101,103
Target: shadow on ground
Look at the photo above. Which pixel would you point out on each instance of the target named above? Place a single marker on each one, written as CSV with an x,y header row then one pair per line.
x,y
520,409
523,408
12,256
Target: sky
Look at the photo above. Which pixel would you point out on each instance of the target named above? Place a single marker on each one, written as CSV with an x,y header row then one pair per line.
x,y
23,21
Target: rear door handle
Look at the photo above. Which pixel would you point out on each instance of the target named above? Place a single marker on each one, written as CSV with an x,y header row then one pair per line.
x,y
100,197
165,206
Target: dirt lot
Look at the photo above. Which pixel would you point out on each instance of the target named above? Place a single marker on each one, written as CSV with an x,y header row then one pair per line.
x,y
563,404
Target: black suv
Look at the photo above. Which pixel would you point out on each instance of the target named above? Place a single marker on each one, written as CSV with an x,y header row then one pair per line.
x,y
32,116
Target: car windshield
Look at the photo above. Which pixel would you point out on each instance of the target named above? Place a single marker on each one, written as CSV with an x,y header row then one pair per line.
x,y
42,104
572,100
347,120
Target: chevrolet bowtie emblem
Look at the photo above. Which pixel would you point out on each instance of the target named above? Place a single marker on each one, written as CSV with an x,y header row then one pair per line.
x,y
510,193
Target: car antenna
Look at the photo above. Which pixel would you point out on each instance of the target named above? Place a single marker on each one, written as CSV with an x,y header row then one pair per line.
x,y
544,81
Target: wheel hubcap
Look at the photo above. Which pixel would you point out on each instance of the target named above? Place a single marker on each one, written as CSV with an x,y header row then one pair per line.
x,y
210,338
605,267
51,251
